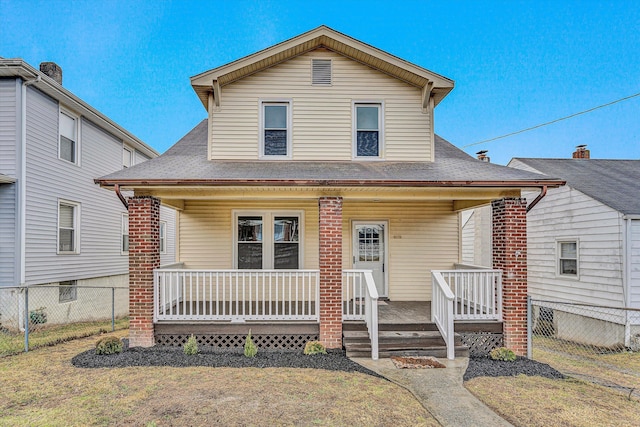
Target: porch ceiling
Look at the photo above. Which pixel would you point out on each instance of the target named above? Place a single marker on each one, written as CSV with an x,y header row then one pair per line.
x,y
461,197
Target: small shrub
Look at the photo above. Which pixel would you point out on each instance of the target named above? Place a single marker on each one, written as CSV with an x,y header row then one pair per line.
x,y
109,345
38,316
314,347
503,353
191,346
250,349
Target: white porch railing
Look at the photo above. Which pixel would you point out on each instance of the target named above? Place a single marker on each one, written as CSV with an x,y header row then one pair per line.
x,y
478,293
360,302
442,310
236,295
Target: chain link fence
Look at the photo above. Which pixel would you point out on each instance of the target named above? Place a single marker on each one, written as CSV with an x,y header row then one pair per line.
x,y
595,343
43,315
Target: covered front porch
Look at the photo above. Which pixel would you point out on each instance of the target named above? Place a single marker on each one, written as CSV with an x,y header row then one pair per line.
x,y
285,305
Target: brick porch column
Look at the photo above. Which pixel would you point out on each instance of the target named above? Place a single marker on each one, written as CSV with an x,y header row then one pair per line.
x,y
330,221
510,256
144,257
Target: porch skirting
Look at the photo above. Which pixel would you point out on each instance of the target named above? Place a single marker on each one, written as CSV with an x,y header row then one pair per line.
x,y
228,336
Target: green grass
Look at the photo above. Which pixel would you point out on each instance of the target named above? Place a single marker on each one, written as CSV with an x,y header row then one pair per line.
x,y
46,335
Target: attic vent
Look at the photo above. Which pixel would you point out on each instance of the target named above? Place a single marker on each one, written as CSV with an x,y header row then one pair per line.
x,y
321,71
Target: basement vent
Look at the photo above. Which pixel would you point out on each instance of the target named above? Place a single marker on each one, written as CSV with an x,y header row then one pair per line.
x,y
321,72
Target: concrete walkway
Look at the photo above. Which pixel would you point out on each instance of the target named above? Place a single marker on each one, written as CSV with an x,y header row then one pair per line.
x,y
440,391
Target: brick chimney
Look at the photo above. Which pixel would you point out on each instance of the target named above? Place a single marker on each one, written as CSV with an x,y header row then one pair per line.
x,y
52,70
482,156
581,152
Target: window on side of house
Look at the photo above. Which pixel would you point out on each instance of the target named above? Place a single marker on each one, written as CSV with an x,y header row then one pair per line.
x,y
68,144
268,240
367,130
68,291
68,227
568,258
124,243
163,237
275,133
127,157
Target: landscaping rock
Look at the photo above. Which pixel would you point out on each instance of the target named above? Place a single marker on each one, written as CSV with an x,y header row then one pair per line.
x,y
486,367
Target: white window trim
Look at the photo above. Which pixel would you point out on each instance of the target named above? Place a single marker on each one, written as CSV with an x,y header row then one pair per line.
x,y
354,130
557,256
76,227
267,234
76,117
127,149
125,220
163,237
261,103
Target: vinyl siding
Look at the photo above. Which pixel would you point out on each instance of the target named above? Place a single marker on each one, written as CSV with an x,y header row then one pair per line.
x,y
468,235
50,179
321,115
422,237
568,213
635,263
138,157
9,135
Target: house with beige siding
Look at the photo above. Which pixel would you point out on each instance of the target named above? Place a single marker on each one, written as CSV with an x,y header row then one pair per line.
x,y
314,200
584,248
59,232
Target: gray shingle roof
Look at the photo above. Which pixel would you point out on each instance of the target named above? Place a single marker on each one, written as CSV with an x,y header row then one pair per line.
x,y
187,162
616,183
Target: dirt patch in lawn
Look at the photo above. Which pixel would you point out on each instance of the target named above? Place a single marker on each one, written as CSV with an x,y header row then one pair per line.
x,y
42,387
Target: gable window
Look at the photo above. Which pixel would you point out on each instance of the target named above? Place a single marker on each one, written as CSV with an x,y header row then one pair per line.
x,y
268,240
276,129
68,291
163,237
127,157
124,244
568,258
321,72
68,138
68,227
367,129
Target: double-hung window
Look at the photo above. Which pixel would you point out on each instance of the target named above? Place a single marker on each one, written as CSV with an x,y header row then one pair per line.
x,y
568,258
127,157
124,245
163,237
368,130
268,240
275,132
68,138
68,227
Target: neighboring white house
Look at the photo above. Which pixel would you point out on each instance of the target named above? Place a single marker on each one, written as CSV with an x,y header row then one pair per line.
x,y
584,245
56,226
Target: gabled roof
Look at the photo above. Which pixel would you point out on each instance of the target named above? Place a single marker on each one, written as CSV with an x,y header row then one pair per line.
x,y
321,37
616,183
186,164
19,68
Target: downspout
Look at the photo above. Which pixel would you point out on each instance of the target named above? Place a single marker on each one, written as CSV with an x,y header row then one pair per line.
x,y
537,199
116,187
22,194
23,179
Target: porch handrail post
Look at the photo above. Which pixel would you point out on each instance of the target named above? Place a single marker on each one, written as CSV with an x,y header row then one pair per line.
x,y
442,310
317,296
156,295
372,309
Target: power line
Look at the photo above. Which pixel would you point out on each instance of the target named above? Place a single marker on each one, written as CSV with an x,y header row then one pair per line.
x,y
554,121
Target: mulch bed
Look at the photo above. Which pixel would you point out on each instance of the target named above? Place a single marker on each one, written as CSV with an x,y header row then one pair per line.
x,y
487,367
334,360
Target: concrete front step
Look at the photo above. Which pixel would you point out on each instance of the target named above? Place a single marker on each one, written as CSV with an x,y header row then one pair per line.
x,y
460,351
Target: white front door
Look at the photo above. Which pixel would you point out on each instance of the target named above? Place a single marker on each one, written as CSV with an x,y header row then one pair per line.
x,y
369,251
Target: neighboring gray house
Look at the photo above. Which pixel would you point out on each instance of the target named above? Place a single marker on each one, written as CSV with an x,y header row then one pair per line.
x,y
584,243
56,225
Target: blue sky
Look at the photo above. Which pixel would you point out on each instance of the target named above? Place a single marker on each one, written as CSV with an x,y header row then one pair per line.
x,y
515,64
